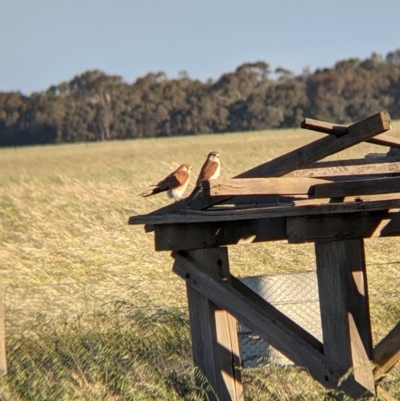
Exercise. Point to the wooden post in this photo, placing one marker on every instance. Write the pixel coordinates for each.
(215, 341)
(344, 305)
(3, 360)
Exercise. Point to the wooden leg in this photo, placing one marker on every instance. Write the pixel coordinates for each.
(344, 305)
(215, 341)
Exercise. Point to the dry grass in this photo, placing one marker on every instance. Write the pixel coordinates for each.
(75, 273)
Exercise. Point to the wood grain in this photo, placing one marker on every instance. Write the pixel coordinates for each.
(261, 186)
(337, 129)
(267, 212)
(343, 296)
(387, 352)
(214, 335)
(343, 168)
(321, 148)
(335, 228)
(175, 237)
(357, 187)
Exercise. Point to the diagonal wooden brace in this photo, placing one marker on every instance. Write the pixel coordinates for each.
(268, 326)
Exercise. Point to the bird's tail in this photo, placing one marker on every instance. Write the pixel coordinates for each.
(150, 191)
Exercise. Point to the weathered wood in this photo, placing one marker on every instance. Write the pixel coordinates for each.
(215, 341)
(355, 167)
(358, 187)
(384, 395)
(324, 127)
(270, 328)
(3, 359)
(338, 130)
(176, 237)
(267, 212)
(299, 229)
(357, 198)
(387, 352)
(321, 148)
(343, 296)
(335, 228)
(296, 159)
(261, 186)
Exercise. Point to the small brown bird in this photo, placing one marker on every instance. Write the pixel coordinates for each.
(175, 183)
(209, 171)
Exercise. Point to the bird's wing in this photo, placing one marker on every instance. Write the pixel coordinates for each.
(207, 171)
(174, 180)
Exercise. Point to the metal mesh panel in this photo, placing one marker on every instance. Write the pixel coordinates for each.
(296, 295)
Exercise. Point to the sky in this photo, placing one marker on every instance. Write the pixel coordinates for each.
(45, 42)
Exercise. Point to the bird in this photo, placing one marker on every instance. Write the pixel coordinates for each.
(209, 171)
(175, 183)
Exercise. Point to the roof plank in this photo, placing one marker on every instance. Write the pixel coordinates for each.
(338, 130)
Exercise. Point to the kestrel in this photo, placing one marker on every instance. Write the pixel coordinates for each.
(209, 171)
(175, 183)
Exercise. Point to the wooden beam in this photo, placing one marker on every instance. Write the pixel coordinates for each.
(299, 229)
(384, 395)
(321, 148)
(387, 352)
(324, 127)
(356, 167)
(267, 212)
(262, 323)
(215, 341)
(356, 187)
(261, 186)
(3, 359)
(334, 228)
(357, 198)
(343, 295)
(175, 237)
(338, 130)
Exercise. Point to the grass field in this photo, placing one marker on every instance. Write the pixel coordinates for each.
(93, 313)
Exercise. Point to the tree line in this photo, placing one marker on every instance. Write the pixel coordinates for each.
(95, 106)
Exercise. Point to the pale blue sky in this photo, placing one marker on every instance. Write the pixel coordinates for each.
(44, 42)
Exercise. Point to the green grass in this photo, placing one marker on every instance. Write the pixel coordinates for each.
(93, 312)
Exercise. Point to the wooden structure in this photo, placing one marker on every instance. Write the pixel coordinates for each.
(335, 204)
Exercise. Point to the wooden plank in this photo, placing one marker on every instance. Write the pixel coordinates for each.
(343, 295)
(331, 169)
(358, 198)
(324, 127)
(387, 352)
(270, 328)
(3, 358)
(359, 187)
(261, 186)
(335, 228)
(267, 212)
(384, 395)
(175, 237)
(321, 148)
(338, 130)
(215, 341)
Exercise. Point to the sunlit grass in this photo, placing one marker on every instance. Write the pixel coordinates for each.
(84, 291)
